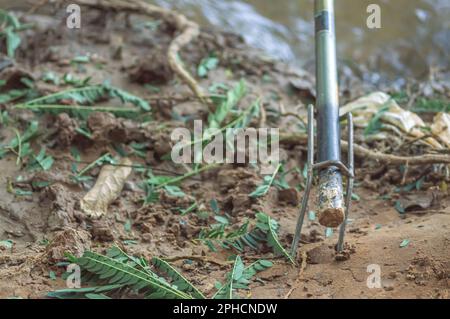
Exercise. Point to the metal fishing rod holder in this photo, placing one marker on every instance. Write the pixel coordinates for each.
(333, 210)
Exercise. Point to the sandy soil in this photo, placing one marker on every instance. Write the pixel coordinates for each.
(49, 222)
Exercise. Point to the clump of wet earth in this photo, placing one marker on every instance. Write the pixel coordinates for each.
(47, 221)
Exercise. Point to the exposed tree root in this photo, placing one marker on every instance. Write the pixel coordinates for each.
(360, 151)
(299, 276)
(188, 31)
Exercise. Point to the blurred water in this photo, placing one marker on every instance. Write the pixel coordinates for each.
(415, 34)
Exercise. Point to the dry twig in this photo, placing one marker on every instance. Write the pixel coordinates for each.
(360, 151)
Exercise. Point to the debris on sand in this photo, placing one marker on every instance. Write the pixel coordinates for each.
(107, 188)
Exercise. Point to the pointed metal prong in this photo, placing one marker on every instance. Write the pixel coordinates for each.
(310, 165)
(348, 198)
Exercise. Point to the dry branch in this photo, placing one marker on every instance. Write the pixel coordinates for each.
(360, 151)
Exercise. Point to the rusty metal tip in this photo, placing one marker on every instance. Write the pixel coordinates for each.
(331, 217)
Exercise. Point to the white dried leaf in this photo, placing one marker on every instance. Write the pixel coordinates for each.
(441, 127)
(107, 188)
(364, 108)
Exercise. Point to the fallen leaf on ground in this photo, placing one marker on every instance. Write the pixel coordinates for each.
(441, 127)
(366, 107)
(107, 188)
(418, 201)
(404, 243)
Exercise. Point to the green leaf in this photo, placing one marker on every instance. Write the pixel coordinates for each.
(12, 41)
(375, 123)
(272, 236)
(239, 277)
(9, 19)
(12, 95)
(226, 291)
(50, 77)
(179, 280)
(173, 190)
(117, 272)
(399, 207)
(214, 206)
(221, 219)
(9, 24)
(41, 161)
(81, 59)
(7, 243)
(404, 243)
(52, 275)
(224, 107)
(20, 141)
(127, 226)
(96, 296)
(89, 95)
(262, 189)
(188, 210)
(207, 64)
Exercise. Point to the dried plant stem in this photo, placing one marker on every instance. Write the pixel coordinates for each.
(360, 151)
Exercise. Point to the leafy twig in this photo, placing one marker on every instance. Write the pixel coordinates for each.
(262, 189)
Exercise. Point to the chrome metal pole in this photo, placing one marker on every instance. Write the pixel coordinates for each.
(331, 203)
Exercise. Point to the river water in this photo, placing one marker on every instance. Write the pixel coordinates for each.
(414, 34)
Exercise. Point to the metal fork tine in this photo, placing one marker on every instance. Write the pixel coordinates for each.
(310, 165)
(348, 198)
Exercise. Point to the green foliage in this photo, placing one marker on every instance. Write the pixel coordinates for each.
(262, 189)
(8, 243)
(152, 185)
(174, 190)
(88, 95)
(70, 79)
(117, 273)
(265, 231)
(424, 105)
(207, 64)
(4, 117)
(270, 227)
(81, 59)
(105, 158)
(19, 144)
(8, 20)
(88, 292)
(41, 161)
(375, 123)
(237, 239)
(9, 26)
(78, 110)
(239, 277)
(226, 105)
(247, 116)
(179, 280)
(13, 95)
(50, 77)
(404, 243)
